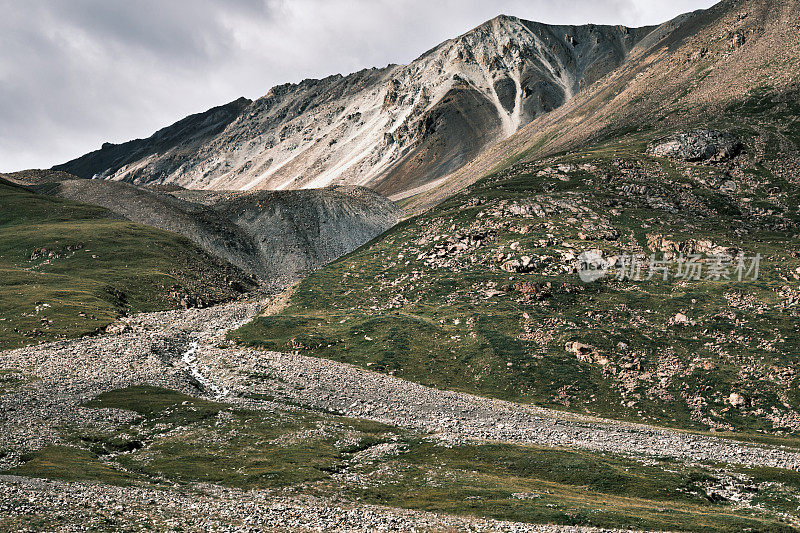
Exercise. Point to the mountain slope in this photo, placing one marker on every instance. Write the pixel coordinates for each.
(210, 230)
(170, 145)
(273, 236)
(68, 269)
(481, 292)
(391, 129)
(685, 73)
(298, 231)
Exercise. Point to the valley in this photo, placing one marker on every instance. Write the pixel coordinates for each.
(297, 440)
(542, 278)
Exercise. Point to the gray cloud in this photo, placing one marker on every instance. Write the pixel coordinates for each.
(76, 73)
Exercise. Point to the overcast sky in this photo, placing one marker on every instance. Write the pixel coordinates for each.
(76, 73)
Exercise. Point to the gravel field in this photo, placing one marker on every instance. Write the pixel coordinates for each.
(82, 507)
(152, 349)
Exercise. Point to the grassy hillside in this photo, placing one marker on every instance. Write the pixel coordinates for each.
(432, 301)
(67, 269)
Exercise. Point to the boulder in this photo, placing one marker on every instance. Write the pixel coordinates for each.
(583, 352)
(737, 400)
(117, 328)
(698, 145)
(681, 320)
(737, 41)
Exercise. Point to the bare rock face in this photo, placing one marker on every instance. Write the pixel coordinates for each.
(393, 129)
(699, 145)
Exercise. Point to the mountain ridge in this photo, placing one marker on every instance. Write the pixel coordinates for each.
(690, 62)
(390, 129)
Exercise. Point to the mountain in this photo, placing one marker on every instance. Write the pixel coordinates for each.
(691, 149)
(687, 72)
(275, 236)
(393, 129)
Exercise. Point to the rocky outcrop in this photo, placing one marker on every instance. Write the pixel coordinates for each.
(392, 129)
(699, 145)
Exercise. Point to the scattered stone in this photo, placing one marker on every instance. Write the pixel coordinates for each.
(681, 320)
(584, 352)
(699, 145)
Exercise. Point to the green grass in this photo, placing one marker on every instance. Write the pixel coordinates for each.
(100, 268)
(156, 403)
(69, 464)
(445, 334)
(531, 484)
(222, 444)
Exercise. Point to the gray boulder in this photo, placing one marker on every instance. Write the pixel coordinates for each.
(698, 145)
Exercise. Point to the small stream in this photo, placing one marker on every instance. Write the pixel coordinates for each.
(195, 369)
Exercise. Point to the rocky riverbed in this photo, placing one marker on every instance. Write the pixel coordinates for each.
(186, 351)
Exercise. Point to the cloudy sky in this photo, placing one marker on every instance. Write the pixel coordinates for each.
(76, 73)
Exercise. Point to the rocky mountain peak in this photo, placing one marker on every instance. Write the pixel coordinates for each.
(394, 129)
